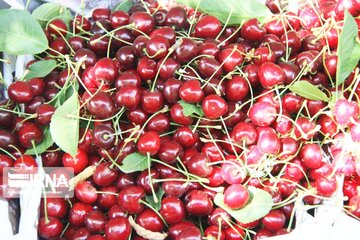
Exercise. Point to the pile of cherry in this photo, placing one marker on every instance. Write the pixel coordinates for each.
(209, 106)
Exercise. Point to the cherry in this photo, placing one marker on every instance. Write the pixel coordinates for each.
(160, 17)
(77, 43)
(344, 111)
(81, 233)
(117, 228)
(146, 68)
(190, 233)
(252, 31)
(55, 207)
(31, 106)
(78, 162)
(311, 155)
(150, 220)
(262, 114)
(234, 234)
(244, 132)
(57, 27)
(186, 51)
(232, 172)
(157, 46)
(100, 13)
(90, 59)
(78, 213)
(264, 54)
(210, 67)
(95, 221)
(130, 199)
(29, 135)
(191, 92)
(214, 106)
(172, 210)
(263, 233)
(304, 128)
(105, 70)
(213, 232)
(107, 198)
(128, 96)
(208, 48)
(58, 47)
(160, 123)
(50, 228)
(20, 92)
(167, 32)
(274, 220)
(80, 23)
(326, 187)
(115, 211)
(198, 165)
(85, 192)
(169, 151)
(207, 27)
(143, 23)
(98, 44)
(167, 67)
(236, 88)
(271, 75)
(176, 17)
(149, 143)
(101, 105)
(44, 113)
(37, 86)
(126, 57)
(118, 19)
(5, 161)
(104, 175)
(236, 196)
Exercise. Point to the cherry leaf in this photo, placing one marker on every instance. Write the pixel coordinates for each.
(259, 205)
(64, 125)
(46, 12)
(20, 33)
(124, 5)
(308, 91)
(190, 109)
(150, 199)
(230, 11)
(44, 145)
(348, 51)
(134, 162)
(40, 69)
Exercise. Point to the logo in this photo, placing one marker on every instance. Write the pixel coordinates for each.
(53, 181)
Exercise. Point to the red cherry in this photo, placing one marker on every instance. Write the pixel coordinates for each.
(236, 196)
(117, 228)
(149, 143)
(207, 27)
(78, 162)
(214, 106)
(271, 75)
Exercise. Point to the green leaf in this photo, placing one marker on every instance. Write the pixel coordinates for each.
(150, 199)
(41, 69)
(124, 5)
(348, 51)
(20, 33)
(46, 12)
(259, 205)
(190, 109)
(238, 10)
(44, 145)
(64, 125)
(308, 90)
(134, 162)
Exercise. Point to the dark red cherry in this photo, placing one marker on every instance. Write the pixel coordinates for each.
(20, 92)
(214, 106)
(101, 105)
(130, 199)
(152, 101)
(207, 27)
(149, 143)
(50, 228)
(78, 162)
(44, 113)
(176, 17)
(143, 22)
(89, 57)
(30, 135)
(271, 75)
(57, 27)
(157, 47)
(117, 228)
(105, 70)
(119, 18)
(172, 210)
(252, 31)
(209, 67)
(128, 96)
(191, 92)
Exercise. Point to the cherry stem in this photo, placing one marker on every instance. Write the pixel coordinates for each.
(156, 200)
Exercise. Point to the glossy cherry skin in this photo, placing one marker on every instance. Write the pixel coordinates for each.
(77, 43)
(105, 175)
(129, 199)
(55, 207)
(236, 196)
(50, 229)
(105, 70)
(150, 220)
(152, 101)
(157, 46)
(176, 17)
(78, 163)
(20, 92)
(271, 75)
(117, 228)
(58, 47)
(311, 155)
(185, 137)
(169, 151)
(210, 67)
(175, 229)
(143, 22)
(197, 203)
(172, 210)
(149, 143)
(198, 165)
(252, 31)
(191, 92)
(214, 106)
(57, 27)
(128, 96)
(29, 134)
(95, 221)
(101, 105)
(244, 132)
(78, 212)
(44, 113)
(107, 198)
(262, 114)
(274, 220)
(100, 13)
(80, 23)
(98, 44)
(90, 59)
(177, 115)
(119, 18)
(86, 192)
(207, 27)
(186, 51)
